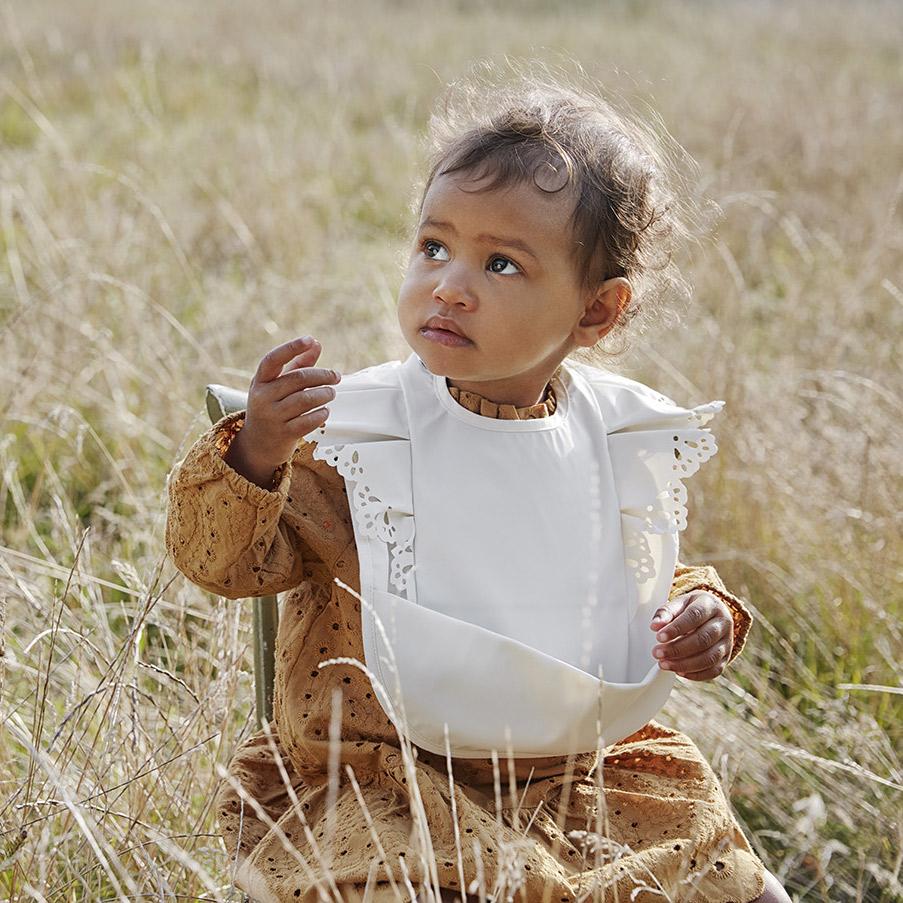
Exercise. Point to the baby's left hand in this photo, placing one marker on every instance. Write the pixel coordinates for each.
(696, 632)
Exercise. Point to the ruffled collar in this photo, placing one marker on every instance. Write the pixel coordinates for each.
(476, 404)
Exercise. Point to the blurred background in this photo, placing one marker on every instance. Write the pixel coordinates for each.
(184, 185)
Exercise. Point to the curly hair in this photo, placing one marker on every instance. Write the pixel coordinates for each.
(628, 216)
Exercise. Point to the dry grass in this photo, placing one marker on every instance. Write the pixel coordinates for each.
(182, 183)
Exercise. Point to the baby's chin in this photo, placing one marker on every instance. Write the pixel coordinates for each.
(449, 361)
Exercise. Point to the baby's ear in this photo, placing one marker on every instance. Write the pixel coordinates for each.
(604, 306)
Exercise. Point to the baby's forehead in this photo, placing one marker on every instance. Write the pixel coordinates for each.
(481, 213)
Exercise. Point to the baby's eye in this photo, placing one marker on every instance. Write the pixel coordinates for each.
(503, 266)
(434, 250)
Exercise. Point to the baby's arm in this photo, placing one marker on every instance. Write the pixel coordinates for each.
(233, 536)
(701, 628)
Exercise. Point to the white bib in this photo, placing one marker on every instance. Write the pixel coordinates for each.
(542, 549)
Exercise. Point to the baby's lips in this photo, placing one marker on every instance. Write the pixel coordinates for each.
(446, 324)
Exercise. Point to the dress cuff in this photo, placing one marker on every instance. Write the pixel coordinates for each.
(222, 435)
(706, 579)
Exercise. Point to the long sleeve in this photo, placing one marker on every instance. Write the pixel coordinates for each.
(232, 537)
(706, 579)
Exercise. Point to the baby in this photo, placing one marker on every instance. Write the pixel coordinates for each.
(481, 549)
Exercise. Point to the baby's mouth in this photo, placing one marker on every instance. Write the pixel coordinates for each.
(444, 331)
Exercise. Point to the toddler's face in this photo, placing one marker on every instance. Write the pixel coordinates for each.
(491, 298)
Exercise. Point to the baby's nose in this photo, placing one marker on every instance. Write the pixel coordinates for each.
(456, 286)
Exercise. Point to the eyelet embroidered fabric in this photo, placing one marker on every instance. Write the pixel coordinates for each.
(666, 510)
(376, 519)
(679, 443)
(637, 553)
(690, 453)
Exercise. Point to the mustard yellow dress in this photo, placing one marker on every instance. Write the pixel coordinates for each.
(331, 805)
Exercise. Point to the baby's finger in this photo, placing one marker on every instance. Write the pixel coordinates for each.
(303, 400)
(308, 422)
(272, 363)
(704, 666)
(713, 632)
(297, 381)
(698, 608)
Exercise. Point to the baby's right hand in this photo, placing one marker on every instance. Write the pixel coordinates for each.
(285, 402)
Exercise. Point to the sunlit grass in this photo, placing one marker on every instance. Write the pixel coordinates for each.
(184, 185)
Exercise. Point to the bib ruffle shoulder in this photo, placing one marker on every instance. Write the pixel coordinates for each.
(450, 684)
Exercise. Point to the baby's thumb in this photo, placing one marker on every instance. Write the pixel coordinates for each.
(664, 615)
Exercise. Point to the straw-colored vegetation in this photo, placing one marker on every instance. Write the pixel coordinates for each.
(182, 184)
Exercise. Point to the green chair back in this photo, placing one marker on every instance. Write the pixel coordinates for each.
(222, 400)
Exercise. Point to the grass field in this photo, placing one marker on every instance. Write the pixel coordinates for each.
(184, 184)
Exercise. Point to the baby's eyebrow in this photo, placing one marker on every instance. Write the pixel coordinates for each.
(513, 243)
(437, 224)
(484, 238)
